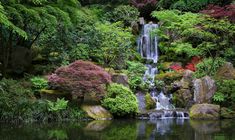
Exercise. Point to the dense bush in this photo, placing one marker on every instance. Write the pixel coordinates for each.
(79, 78)
(184, 35)
(38, 83)
(114, 44)
(219, 12)
(124, 13)
(225, 94)
(135, 72)
(120, 100)
(208, 67)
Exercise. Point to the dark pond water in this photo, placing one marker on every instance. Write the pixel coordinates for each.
(122, 130)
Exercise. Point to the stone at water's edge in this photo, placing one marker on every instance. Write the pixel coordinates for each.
(205, 111)
(204, 89)
(184, 94)
(120, 79)
(227, 72)
(97, 112)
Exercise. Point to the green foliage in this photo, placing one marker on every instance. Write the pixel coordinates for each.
(125, 13)
(39, 83)
(120, 100)
(114, 43)
(80, 52)
(218, 97)
(150, 104)
(60, 104)
(184, 34)
(135, 75)
(208, 66)
(225, 94)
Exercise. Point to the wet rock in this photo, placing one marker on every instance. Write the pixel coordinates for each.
(205, 111)
(97, 112)
(227, 113)
(204, 89)
(120, 79)
(227, 72)
(141, 101)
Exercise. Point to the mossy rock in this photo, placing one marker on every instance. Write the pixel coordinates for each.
(150, 104)
(53, 94)
(205, 112)
(97, 112)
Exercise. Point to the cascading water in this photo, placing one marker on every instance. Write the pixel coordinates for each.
(148, 48)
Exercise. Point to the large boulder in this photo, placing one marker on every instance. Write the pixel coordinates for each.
(184, 95)
(205, 111)
(120, 79)
(227, 72)
(204, 89)
(97, 112)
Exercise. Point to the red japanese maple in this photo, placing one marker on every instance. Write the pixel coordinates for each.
(79, 78)
(218, 12)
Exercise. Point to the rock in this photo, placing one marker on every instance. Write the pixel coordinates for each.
(227, 72)
(53, 94)
(183, 98)
(92, 98)
(227, 113)
(120, 79)
(204, 89)
(184, 95)
(135, 28)
(97, 112)
(205, 111)
(141, 101)
(188, 76)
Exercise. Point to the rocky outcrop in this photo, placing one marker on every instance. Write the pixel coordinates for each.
(227, 72)
(184, 94)
(204, 89)
(120, 79)
(205, 111)
(97, 112)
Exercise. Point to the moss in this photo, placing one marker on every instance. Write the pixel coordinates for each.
(150, 104)
(169, 77)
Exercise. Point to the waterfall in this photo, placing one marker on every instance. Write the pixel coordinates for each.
(148, 49)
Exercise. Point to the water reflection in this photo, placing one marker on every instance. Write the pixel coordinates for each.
(166, 129)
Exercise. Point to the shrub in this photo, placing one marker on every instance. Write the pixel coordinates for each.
(225, 94)
(208, 66)
(135, 74)
(38, 83)
(218, 12)
(60, 104)
(125, 13)
(150, 104)
(120, 100)
(79, 78)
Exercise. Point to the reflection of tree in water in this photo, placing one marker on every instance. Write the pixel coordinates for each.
(168, 129)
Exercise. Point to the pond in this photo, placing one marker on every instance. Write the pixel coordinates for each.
(166, 129)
